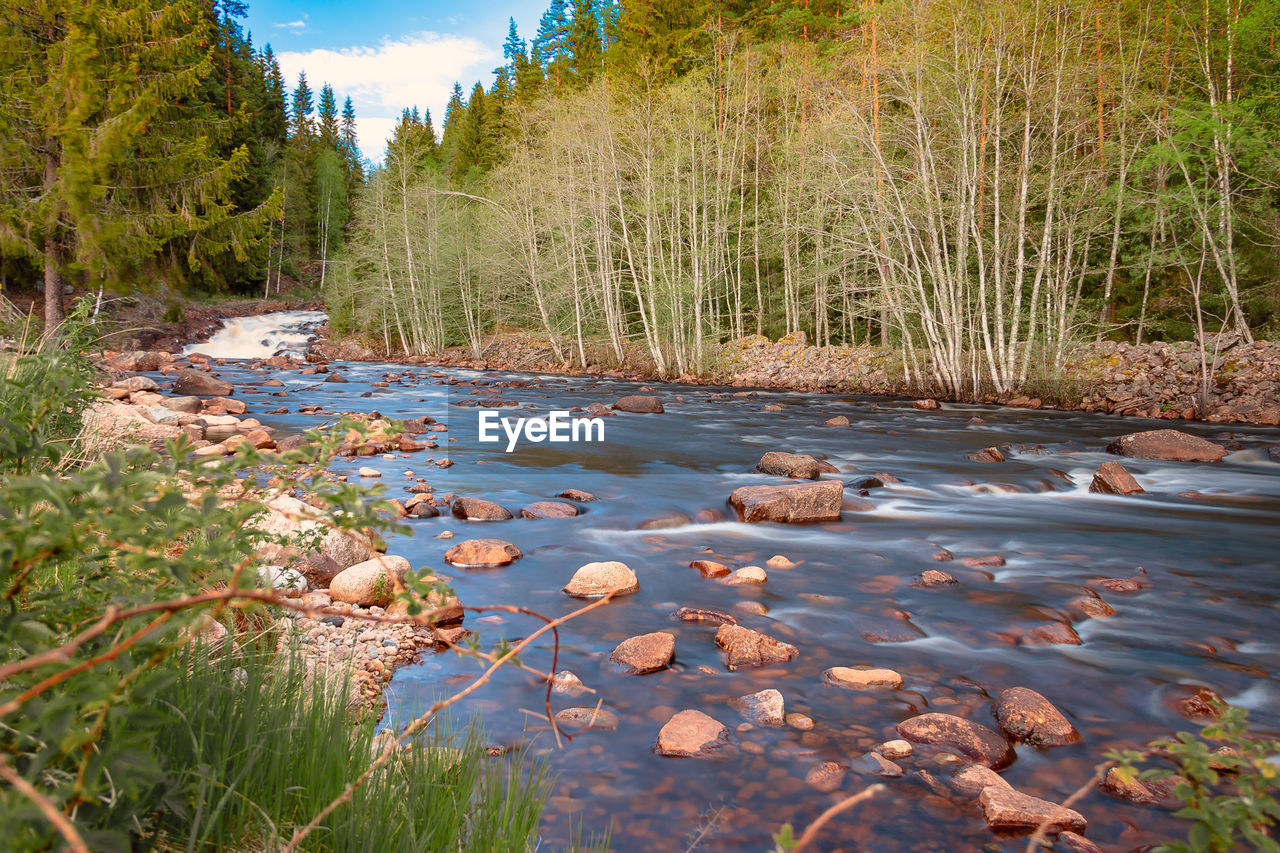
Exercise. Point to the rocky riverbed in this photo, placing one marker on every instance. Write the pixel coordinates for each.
(967, 604)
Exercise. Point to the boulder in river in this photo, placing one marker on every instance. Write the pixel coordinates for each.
(1111, 478)
(972, 779)
(868, 678)
(1167, 444)
(932, 578)
(639, 404)
(986, 454)
(197, 383)
(645, 653)
(596, 579)
(972, 740)
(746, 648)
(928, 405)
(702, 614)
(692, 734)
(1144, 792)
(837, 421)
(798, 503)
(482, 552)
(549, 509)
(371, 583)
(478, 509)
(577, 495)
(578, 719)
(1025, 715)
(766, 708)
(1008, 810)
(798, 466)
(710, 568)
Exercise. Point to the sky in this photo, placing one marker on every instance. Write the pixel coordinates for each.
(389, 54)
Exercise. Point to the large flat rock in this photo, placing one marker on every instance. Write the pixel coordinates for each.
(796, 503)
(1167, 444)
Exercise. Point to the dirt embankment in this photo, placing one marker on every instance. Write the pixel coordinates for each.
(1154, 380)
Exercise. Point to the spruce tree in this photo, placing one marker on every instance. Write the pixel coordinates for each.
(583, 45)
(327, 115)
(349, 143)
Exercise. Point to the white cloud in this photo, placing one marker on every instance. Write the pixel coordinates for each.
(381, 81)
(293, 26)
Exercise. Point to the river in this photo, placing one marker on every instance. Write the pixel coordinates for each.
(1204, 614)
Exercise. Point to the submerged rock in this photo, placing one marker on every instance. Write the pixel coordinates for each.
(766, 707)
(746, 648)
(864, 679)
(972, 740)
(692, 734)
(645, 653)
(639, 404)
(1167, 444)
(549, 509)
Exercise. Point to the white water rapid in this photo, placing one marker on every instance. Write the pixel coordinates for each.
(262, 335)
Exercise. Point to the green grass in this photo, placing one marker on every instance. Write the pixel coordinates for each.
(257, 748)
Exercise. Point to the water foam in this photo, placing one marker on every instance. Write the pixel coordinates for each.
(262, 335)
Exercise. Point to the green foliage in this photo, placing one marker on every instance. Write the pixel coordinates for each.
(1227, 784)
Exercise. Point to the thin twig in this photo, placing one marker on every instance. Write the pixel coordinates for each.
(1098, 773)
(814, 828)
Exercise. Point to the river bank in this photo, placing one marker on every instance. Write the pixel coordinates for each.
(1154, 380)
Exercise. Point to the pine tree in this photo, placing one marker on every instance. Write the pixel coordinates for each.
(454, 114)
(474, 146)
(327, 125)
(583, 46)
(301, 107)
(108, 155)
(549, 46)
(349, 143)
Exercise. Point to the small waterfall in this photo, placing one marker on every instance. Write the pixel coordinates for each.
(262, 335)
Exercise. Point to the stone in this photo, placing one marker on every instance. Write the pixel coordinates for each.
(710, 568)
(140, 360)
(638, 404)
(481, 552)
(1007, 810)
(767, 708)
(1025, 715)
(864, 679)
(991, 561)
(134, 384)
(549, 509)
(778, 561)
(932, 579)
(799, 503)
(986, 454)
(746, 648)
(692, 734)
(894, 749)
(371, 583)
(369, 472)
(972, 740)
(599, 410)
(335, 377)
(972, 779)
(1143, 792)
(927, 405)
(1075, 843)
(645, 653)
(260, 439)
(197, 383)
(1111, 478)
(210, 450)
(579, 719)
(875, 764)
(159, 415)
(837, 421)
(1169, 445)
(566, 682)
(596, 579)
(337, 550)
(699, 614)
(225, 405)
(795, 465)
(425, 509)
(577, 495)
(1051, 634)
(478, 509)
(826, 777)
(747, 576)
(278, 577)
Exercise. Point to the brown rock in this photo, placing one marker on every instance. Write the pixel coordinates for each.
(973, 740)
(972, 779)
(699, 614)
(986, 454)
(864, 679)
(645, 653)
(1144, 792)
(826, 777)
(766, 707)
(596, 579)
(1008, 810)
(992, 561)
(1167, 444)
(185, 405)
(260, 439)
(577, 495)
(747, 576)
(1111, 478)
(369, 584)
(477, 509)
(710, 568)
(639, 404)
(875, 764)
(927, 405)
(792, 504)
(1052, 634)
(578, 719)
(225, 405)
(795, 465)
(135, 384)
(746, 648)
(1077, 843)
(837, 421)
(933, 578)
(1090, 606)
(549, 509)
(599, 410)
(480, 552)
(1025, 715)
(197, 383)
(692, 734)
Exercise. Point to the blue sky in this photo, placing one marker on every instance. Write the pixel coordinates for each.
(388, 54)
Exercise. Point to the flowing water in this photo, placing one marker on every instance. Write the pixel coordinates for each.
(262, 335)
(1205, 613)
